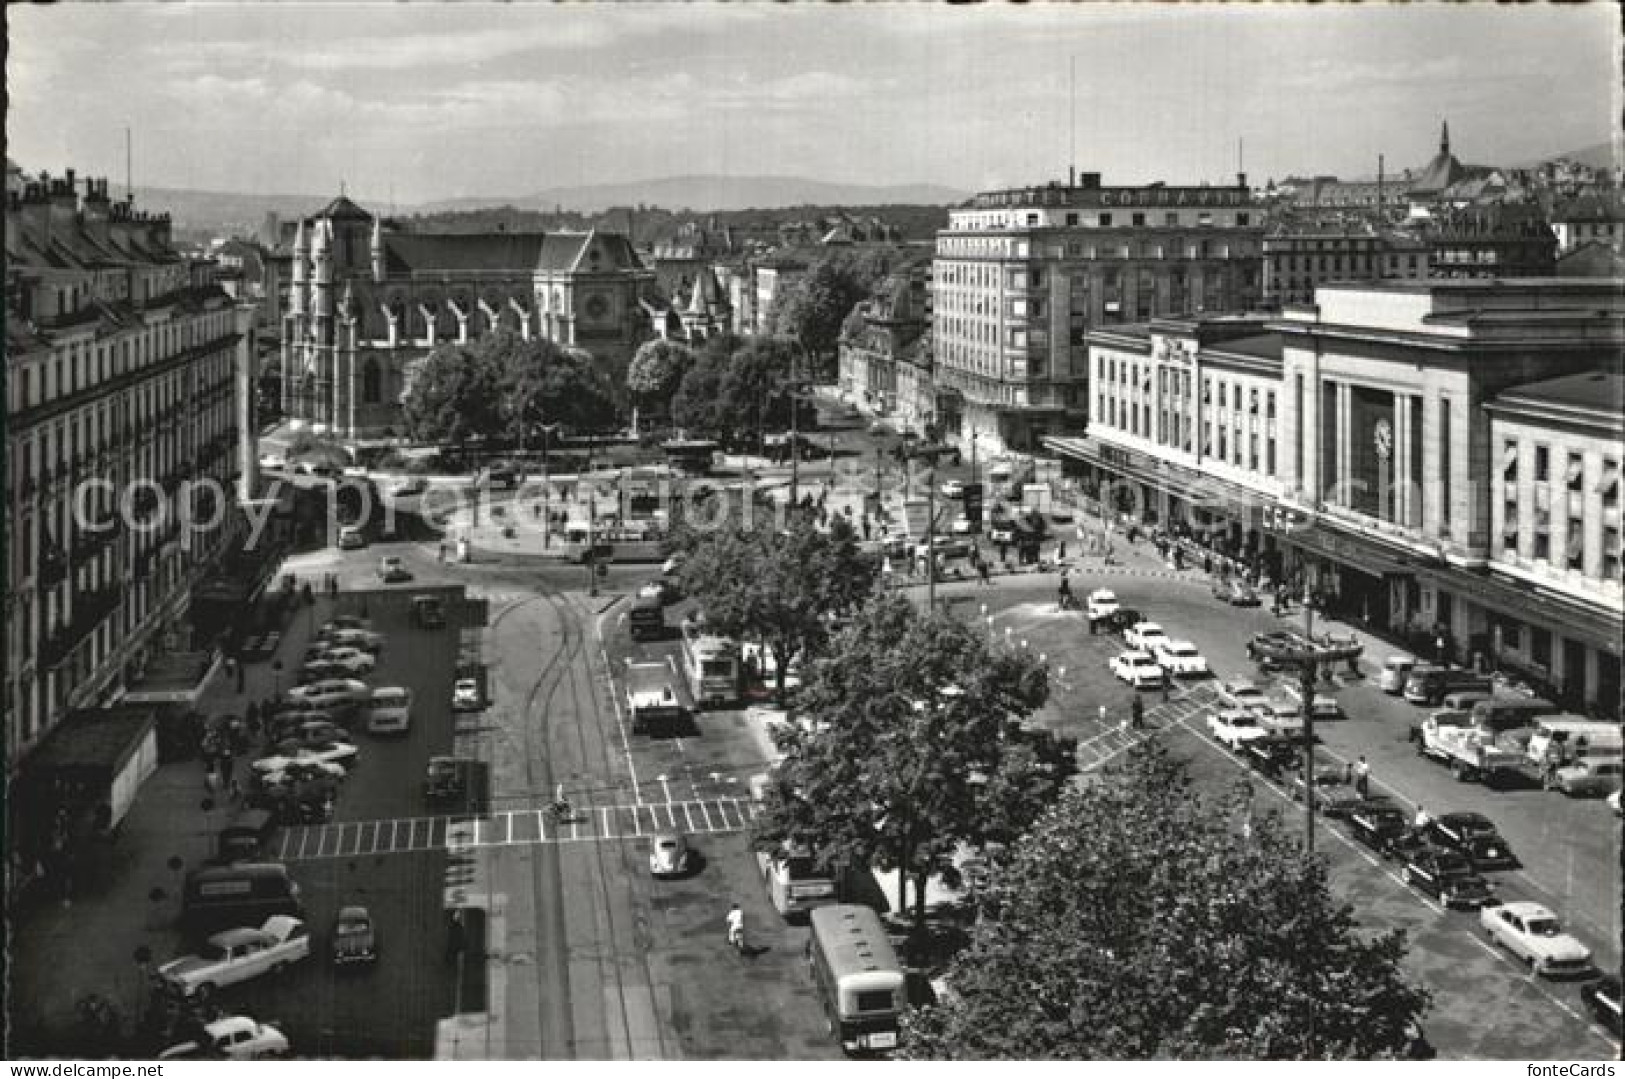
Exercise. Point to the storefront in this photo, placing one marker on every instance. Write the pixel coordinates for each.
(1357, 579)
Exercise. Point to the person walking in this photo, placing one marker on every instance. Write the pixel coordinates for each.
(1362, 777)
(983, 571)
(736, 927)
(1137, 713)
(1167, 686)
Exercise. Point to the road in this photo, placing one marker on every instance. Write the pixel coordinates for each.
(1569, 848)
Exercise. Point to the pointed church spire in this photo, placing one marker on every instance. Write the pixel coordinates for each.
(1444, 137)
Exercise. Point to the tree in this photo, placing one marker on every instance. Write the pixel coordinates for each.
(656, 372)
(696, 404)
(776, 586)
(1137, 921)
(812, 309)
(914, 742)
(455, 397)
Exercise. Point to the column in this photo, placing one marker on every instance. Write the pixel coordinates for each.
(1345, 464)
(1400, 461)
(247, 380)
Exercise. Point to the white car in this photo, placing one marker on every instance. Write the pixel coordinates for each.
(1244, 694)
(1180, 657)
(362, 640)
(343, 621)
(1235, 727)
(1614, 804)
(953, 489)
(961, 526)
(335, 755)
(465, 695)
(329, 694)
(352, 661)
(391, 710)
(1138, 669)
(1280, 718)
(237, 955)
(1321, 706)
(235, 1037)
(1144, 636)
(1102, 603)
(273, 461)
(1533, 934)
(1001, 532)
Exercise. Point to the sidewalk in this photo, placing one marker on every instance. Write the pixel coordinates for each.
(62, 951)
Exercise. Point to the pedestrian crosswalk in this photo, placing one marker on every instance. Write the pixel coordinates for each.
(352, 839)
(1115, 739)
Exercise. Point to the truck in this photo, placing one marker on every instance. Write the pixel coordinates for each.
(647, 618)
(651, 697)
(1564, 741)
(1471, 750)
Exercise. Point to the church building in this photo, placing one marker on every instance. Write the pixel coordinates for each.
(368, 301)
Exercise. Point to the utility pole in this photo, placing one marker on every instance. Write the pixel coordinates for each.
(1307, 677)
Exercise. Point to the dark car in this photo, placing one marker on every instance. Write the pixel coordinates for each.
(1602, 997)
(1122, 618)
(1272, 755)
(1334, 797)
(1472, 834)
(447, 780)
(1379, 826)
(1449, 877)
(1277, 650)
(354, 939)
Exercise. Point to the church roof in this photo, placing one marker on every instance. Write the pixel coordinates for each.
(342, 209)
(518, 252)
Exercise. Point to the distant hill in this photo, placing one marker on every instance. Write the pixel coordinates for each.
(705, 193)
(230, 211)
(1600, 156)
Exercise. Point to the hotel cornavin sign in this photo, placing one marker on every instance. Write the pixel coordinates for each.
(1114, 196)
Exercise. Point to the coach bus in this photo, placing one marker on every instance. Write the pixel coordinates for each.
(711, 665)
(692, 456)
(858, 978)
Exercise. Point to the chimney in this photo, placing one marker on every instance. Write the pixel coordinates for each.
(1090, 180)
(1072, 176)
(36, 209)
(1241, 179)
(96, 208)
(64, 207)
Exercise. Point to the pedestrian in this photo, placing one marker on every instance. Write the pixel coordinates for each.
(1167, 686)
(1122, 724)
(982, 569)
(1103, 715)
(442, 554)
(1137, 713)
(1362, 777)
(1421, 820)
(455, 934)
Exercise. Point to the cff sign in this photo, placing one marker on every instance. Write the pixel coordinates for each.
(1283, 520)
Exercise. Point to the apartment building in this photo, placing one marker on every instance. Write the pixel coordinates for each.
(1022, 276)
(123, 368)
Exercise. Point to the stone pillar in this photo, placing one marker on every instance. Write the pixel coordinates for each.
(1399, 462)
(428, 323)
(247, 385)
(1342, 446)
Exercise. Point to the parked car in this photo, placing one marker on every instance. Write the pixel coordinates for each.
(1614, 804)
(232, 1037)
(1102, 603)
(1321, 705)
(447, 780)
(668, 855)
(1396, 671)
(1473, 835)
(1334, 798)
(1587, 779)
(1446, 876)
(354, 939)
(1138, 669)
(335, 755)
(1122, 619)
(391, 570)
(364, 640)
(1236, 592)
(1144, 636)
(1378, 825)
(1280, 718)
(962, 526)
(465, 695)
(1533, 934)
(1235, 727)
(237, 955)
(1276, 650)
(1272, 755)
(1180, 658)
(1602, 998)
(1244, 694)
(391, 710)
(344, 621)
(1001, 531)
(338, 696)
(353, 661)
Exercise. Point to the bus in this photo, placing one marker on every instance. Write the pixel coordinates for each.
(711, 665)
(691, 456)
(647, 618)
(858, 978)
(794, 882)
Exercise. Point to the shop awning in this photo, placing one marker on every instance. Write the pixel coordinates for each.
(1531, 604)
(1345, 549)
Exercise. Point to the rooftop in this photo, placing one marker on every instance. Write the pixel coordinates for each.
(1597, 392)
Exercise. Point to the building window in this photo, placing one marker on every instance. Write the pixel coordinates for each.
(1105, 220)
(1509, 462)
(1138, 220)
(1608, 486)
(1543, 534)
(1542, 464)
(1071, 219)
(1610, 552)
(1509, 528)
(1444, 467)
(1540, 646)
(1576, 544)
(1511, 633)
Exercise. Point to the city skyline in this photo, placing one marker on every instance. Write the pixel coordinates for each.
(523, 98)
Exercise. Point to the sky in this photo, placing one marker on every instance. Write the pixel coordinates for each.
(430, 101)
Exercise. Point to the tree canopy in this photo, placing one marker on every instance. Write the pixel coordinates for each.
(913, 741)
(656, 371)
(1140, 921)
(776, 586)
(502, 387)
(737, 387)
(814, 308)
